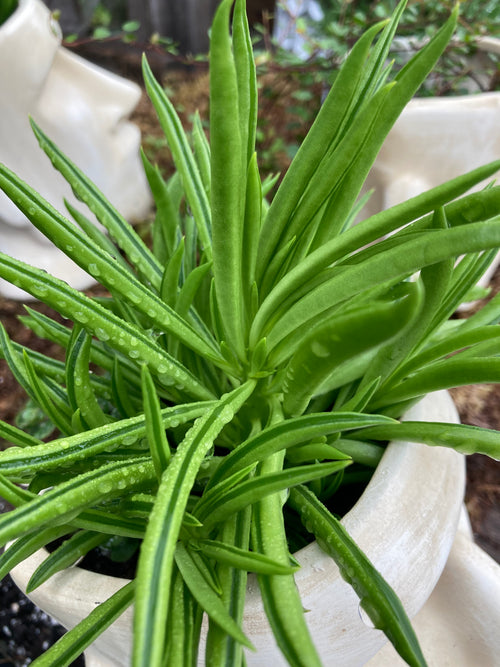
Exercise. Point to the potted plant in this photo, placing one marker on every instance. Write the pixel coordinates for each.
(217, 407)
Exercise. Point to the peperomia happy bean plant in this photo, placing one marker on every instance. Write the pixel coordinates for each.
(253, 353)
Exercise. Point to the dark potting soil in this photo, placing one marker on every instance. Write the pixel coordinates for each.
(25, 631)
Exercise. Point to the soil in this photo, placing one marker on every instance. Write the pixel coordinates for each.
(25, 631)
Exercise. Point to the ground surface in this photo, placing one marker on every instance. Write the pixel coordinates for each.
(24, 631)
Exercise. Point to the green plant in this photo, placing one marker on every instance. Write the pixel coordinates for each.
(256, 348)
(8, 7)
(328, 39)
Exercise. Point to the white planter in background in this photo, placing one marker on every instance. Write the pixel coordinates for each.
(405, 521)
(85, 110)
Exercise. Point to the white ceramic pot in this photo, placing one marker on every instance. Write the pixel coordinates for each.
(405, 522)
(86, 111)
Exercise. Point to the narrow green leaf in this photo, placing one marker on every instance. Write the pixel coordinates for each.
(122, 391)
(453, 372)
(377, 597)
(465, 339)
(252, 224)
(67, 500)
(98, 263)
(281, 599)
(286, 434)
(339, 339)
(25, 546)
(246, 81)
(221, 648)
(47, 400)
(211, 512)
(64, 451)
(205, 595)
(181, 625)
(83, 188)
(74, 642)
(202, 152)
(67, 554)
(80, 391)
(155, 428)
(182, 155)
(171, 276)
(15, 436)
(396, 264)
(228, 180)
(122, 335)
(158, 547)
(243, 559)
(469, 209)
(325, 130)
(98, 237)
(167, 215)
(461, 437)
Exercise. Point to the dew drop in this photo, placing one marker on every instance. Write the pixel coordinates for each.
(134, 297)
(320, 350)
(102, 334)
(226, 415)
(81, 317)
(40, 290)
(105, 487)
(365, 618)
(94, 269)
